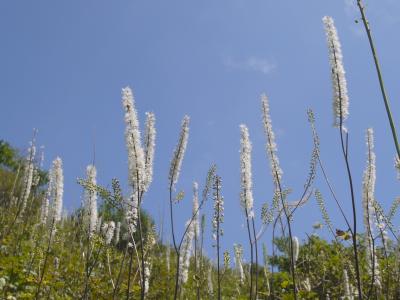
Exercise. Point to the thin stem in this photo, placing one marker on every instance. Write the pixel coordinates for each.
(350, 179)
(218, 236)
(256, 252)
(290, 237)
(130, 273)
(45, 260)
(109, 270)
(251, 252)
(379, 73)
(141, 254)
(119, 273)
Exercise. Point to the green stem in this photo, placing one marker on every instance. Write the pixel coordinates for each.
(379, 73)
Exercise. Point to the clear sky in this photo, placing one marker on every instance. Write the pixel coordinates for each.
(63, 64)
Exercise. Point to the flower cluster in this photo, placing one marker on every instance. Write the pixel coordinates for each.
(271, 147)
(339, 84)
(179, 152)
(238, 250)
(90, 200)
(218, 216)
(246, 195)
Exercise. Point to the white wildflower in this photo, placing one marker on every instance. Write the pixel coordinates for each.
(271, 147)
(296, 249)
(136, 161)
(218, 216)
(184, 258)
(131, 212)
(149, 146)
(99, 223)
(179, 152)
(90, 200)
(368, 195)
(36, 170)
(195, 210)
(117, 233)
(44, 211)
(246, 195)
(368, 202)
(238, 251)
(108, 231)
(58, 189)
(340, 97)
(209, 281)
(28, 175)
(346, 286)
(147, 267)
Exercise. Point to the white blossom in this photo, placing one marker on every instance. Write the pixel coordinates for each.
(108, 231)
(147, 267)
(184, 258)
(149, 146)
(246, 195)
(218, 216)
(339, 84)
(99, 223)
(179, 152)
(44, 211)
(28, 175)
(90, 200)
(57, 189)
(195, 210)
(238, 250)
(131, 212)
(209, 281)
(271, 147)
(117, 233)
(368, 194)
(296, 249)
(36, 169)
(369, 211)
(136, 160)
(346, 286)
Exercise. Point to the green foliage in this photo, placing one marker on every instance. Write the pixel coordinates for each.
(9, 157)
(24, 248)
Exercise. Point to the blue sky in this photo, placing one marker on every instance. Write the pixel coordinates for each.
(63, 64)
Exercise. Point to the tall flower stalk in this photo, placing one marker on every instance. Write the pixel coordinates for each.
(369, 212)
(185, 254)
(56, 193)
(238, 251)
(149, 148)
(29, 169)
(140, 171)
(174, 171)
(340, 113)
(246, 195)
(196, 225)
(276, 172)
(90, 201)
(386, 102)
(218, 219)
